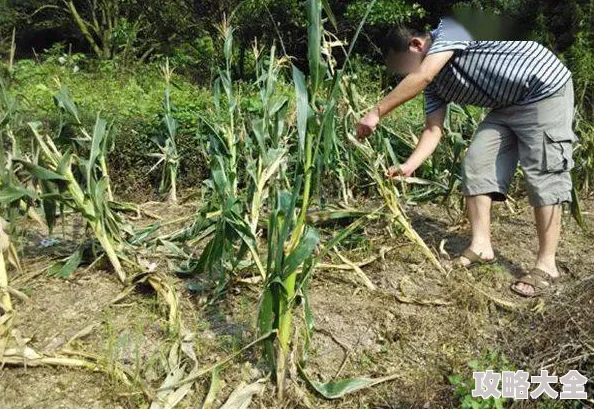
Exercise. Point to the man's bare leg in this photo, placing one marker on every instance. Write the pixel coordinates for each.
(548, 227)
(479, 214)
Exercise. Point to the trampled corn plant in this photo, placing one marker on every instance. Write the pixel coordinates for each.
(460, 124)
(55, 172)
(290, 241)
(377, 168)
(222, 221)
(375, 164)
(168, 157)
(288, 269)
(7, 256)
(225, 139)
(82, 143)
(13, 192)
(386, 139)
(16, 199)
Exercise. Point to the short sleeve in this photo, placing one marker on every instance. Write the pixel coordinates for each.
(432, 101)
(449, 36)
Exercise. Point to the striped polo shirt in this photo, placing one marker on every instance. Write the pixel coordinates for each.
(492, 74)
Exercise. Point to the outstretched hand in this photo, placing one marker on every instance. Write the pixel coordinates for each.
(399, 170)
(368, 124)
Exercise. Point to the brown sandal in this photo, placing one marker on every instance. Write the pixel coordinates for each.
(539, 280)
(473, 258)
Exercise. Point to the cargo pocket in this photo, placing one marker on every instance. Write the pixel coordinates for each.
(558, 151)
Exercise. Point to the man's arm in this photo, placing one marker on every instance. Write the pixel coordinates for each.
(427, 143)
(412, 85)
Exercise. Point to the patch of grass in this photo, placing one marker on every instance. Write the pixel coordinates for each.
(463, 383)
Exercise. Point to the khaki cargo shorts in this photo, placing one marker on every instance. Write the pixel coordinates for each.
(538, 135)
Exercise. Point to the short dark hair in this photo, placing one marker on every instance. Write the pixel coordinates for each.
(398, 38)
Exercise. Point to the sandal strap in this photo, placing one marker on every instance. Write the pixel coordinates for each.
(471, 256)
(537, 278)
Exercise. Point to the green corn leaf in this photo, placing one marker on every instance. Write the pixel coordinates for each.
(50, 195)
(172, 125)
(258, 130)
(277, 105)
(210, 256)
(219, 177)
(329, 13)
(228, 47)
(66, 268)
(338, 389)
(64, 162)
(99, 132)
(314, 38)
(329, 133)
(242, 230)
(266, 317)
(576, 209)
(288, 207)
(65, 102)
(302, 252)
(344, 233)
(12, 193)
(302, 105)
(40, 172)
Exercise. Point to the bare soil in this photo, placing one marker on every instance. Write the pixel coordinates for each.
(418, 323)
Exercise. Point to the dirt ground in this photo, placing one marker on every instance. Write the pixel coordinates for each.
(427, 328)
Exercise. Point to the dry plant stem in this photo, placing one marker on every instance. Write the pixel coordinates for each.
(218, 364)
(5, 301)
(27, 357)
(376, 169)
(502, 303)
(359, 264)
(366, 281)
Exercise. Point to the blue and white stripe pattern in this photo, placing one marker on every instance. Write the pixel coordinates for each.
(491, 74)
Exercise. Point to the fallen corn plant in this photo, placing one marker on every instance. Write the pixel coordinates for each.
(7, 256)
(83, 143)
(377, 170)
(55, 175)
(20, 354)
(16, 199)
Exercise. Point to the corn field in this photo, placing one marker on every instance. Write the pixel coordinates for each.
(276, 173)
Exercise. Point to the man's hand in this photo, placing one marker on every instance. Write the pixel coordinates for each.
(403, 169)
(367, 125)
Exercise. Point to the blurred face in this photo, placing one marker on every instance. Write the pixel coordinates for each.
(404, 62)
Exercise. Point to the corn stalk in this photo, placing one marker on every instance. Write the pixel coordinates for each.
(15, 198)
(268, 134)
(291, 242)
(54, 173)
(8, 255)
(168, 155)
(377, 170)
